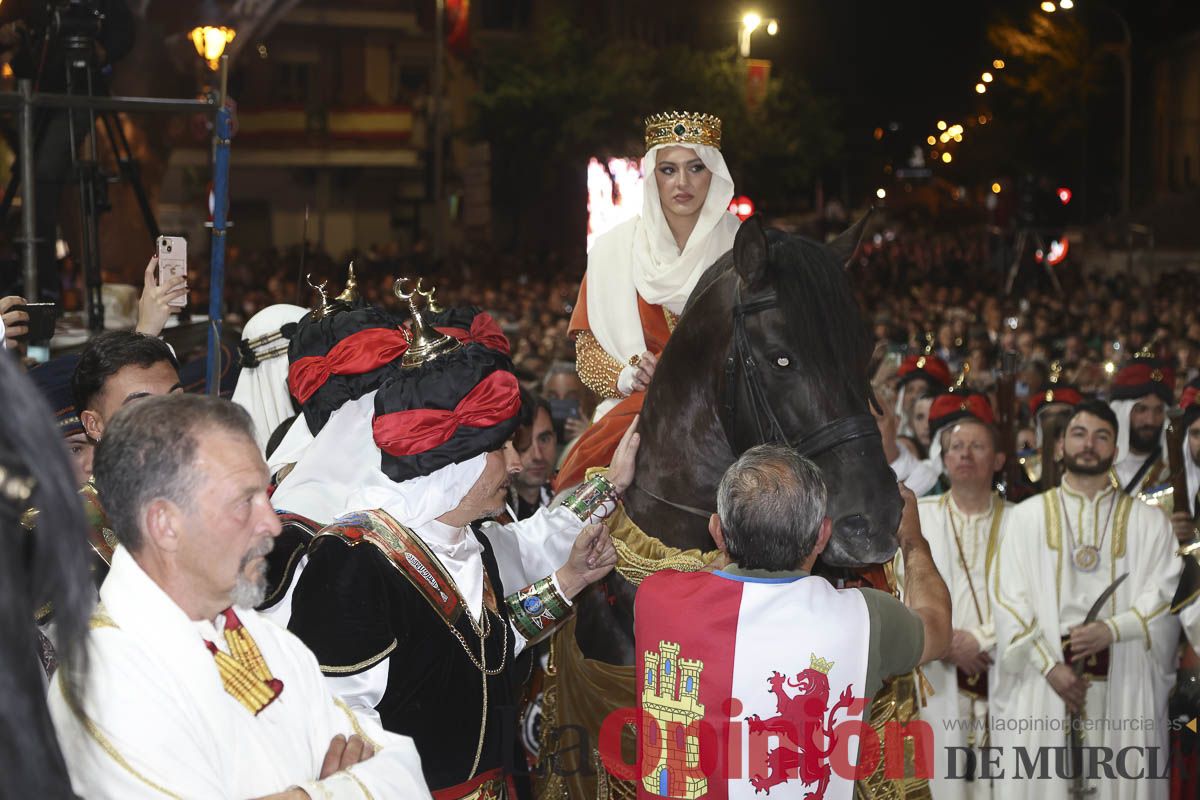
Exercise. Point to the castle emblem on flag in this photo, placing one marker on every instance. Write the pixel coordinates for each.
(801, 722)
(671, 746)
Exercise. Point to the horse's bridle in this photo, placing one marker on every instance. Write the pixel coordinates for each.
(829, 436)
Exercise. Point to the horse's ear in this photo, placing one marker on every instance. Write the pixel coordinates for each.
(846, 243)
(750, 252)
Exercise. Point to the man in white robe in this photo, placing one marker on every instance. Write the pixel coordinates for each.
(962, 527)
(1058, 553)
(1142, 392)
(190, 693)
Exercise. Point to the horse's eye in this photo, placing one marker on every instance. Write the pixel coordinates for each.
(783, 361)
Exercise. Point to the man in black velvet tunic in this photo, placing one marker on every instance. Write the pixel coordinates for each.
(415, 611)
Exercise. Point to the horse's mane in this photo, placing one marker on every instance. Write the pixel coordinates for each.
(821, 310)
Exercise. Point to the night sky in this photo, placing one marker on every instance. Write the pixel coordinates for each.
(910, 62)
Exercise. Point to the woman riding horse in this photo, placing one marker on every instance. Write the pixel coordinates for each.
(641, 273)
(770, 347)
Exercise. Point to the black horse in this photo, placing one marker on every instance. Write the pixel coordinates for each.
(771, 347)
(48, 565)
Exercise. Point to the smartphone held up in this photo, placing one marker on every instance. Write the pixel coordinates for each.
(172, 263)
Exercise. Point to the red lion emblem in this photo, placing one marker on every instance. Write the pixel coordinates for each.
(801, 723)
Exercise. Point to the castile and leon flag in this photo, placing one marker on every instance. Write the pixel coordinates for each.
(748, 687)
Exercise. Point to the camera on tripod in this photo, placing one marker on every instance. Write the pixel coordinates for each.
(77, 25)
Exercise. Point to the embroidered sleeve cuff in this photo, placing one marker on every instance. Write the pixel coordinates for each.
(985, 635)
(598, 370)
(342, 785)
(1128, 626)
(538, 608)
(590, 496)
(1042, 656)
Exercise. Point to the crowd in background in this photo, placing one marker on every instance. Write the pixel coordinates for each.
(918, 291)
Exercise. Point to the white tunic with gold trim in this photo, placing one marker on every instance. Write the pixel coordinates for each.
(157, 721)
(1038, 594)
(962, 546)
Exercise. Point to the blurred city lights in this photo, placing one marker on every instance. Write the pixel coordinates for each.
(987, 77)
(751, 20)
(980, 88)
(941, 126)
(878, 134)
(931, 140)
(1064, 195)
(1049, 7)
(998, 63)
(947, 158)
(773, 25)
(881, 193)
(996, 188)
(1066, 5)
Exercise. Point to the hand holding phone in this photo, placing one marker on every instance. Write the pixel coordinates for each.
(172, 263)
(42, 317)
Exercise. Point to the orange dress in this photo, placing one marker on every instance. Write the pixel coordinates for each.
(598, 370)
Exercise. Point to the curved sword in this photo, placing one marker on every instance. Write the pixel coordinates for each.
(1079, 788)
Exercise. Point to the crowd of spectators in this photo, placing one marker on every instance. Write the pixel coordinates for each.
(945, 292)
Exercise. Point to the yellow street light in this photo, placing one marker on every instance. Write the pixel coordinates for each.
(987, 77)
(955, 129)
(958, 137)
(1066, 5)
(941, 126)
(995, 188)
(210, 42)
(945, 137)
(998, 63)
(947, 158)
(980, 88)
(751, 21)
(773, 25)
(931, 140)
(881, 193)
(1049, 7)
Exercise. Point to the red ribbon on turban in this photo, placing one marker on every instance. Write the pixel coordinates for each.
(407, 433)
(484, 331)
(357, 354)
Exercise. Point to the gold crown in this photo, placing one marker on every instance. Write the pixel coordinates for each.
(683, 127)
(425, 343)
(820, 664)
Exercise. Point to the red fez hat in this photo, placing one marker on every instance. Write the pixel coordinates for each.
(959, 405)
(1144, 375)
(1190, 403)
(928, 367)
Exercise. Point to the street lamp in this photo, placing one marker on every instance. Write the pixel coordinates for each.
(752, 21)
(211, 32)
(210, 41)
(1125, 53)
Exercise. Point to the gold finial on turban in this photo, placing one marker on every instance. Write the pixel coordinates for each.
(425, 342)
